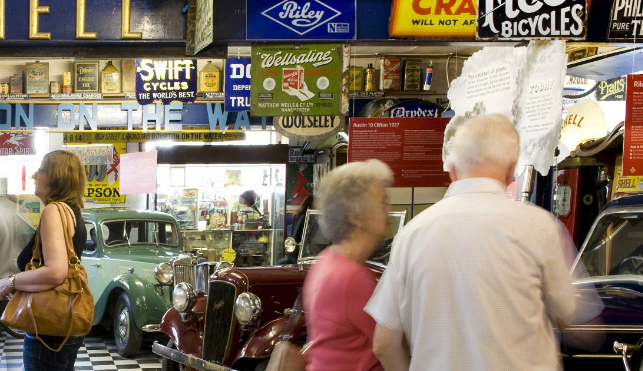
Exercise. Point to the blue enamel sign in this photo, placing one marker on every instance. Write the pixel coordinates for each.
(165, 80)
(237, 84)
(300, 19)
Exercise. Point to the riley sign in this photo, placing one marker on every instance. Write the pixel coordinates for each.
(519, 19)
(301, 19)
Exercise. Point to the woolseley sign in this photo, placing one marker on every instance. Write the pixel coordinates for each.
(519, 19)
(308, 127)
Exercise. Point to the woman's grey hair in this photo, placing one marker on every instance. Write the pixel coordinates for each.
(343, 193)
(490, 140)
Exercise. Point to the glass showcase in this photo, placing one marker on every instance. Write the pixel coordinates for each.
(231, 213)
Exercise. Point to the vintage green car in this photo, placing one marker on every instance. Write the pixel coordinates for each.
(132, 259)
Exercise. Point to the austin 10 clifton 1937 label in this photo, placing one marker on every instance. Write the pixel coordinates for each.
(305, 80)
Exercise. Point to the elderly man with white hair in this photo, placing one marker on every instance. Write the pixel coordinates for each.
(476, 281)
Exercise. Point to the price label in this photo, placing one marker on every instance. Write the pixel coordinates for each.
(229, 255)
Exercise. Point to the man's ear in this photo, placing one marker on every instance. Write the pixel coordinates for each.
(453, 175)
(510, 173)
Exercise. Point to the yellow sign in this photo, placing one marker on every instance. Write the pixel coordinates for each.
(30, 208)
(625, 184)
(436, 19)
(112, 136)
(103, 179)
(229, 255)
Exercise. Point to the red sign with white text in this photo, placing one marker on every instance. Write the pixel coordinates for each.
(17, 143)
(633, 136)
(412, 147)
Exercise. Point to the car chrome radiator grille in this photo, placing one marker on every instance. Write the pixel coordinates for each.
(183, 272)
(218, 320)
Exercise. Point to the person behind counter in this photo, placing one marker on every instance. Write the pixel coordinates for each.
(248, 203)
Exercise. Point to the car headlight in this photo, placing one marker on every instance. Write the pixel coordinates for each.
(164, 273)
(183, 297)
(290, 245)
(247, 308)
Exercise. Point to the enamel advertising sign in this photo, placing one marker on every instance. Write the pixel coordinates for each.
(435, 19)
(308, 127)
(308, 79)
(520, 20)
(165, 80)
(626, 20)
(17, 143)
(237, 84)
(301, 19)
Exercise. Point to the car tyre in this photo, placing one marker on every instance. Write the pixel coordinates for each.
(168, 364)
(127, 335)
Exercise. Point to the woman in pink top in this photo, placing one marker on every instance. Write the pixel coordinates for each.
(354, 206)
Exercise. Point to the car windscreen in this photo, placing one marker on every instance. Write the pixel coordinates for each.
(133, 232)
(315, 242)
(615, 246)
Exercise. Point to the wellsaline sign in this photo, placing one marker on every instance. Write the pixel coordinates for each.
(307, 79)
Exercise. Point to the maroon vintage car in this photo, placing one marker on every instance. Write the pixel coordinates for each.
(235, 318)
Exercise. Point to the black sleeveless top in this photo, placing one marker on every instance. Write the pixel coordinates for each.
(79, 238)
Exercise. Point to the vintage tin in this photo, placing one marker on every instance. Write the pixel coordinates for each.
(128, 76)
(369, 78)
(38, 78)
(413, 74)
(4, 88)
(86, 80)
(391, 76)
(67, 78)
(68, 89)
(356, 78)
(54, 87)
(209, 78)
(110, 79)
(16, 84)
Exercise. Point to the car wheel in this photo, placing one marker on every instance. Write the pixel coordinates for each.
(127, 335)
(262, 365)
(168, 364)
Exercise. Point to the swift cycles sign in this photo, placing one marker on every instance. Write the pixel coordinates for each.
(519, 19)
(301, 19)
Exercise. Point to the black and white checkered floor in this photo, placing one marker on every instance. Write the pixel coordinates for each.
(98, 353)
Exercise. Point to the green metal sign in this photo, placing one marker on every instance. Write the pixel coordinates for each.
(308, 79)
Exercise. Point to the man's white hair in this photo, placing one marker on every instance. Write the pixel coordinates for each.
(486, 140)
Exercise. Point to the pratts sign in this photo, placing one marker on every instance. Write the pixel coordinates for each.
(545, 19)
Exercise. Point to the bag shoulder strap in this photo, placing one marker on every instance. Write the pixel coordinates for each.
(65, 213)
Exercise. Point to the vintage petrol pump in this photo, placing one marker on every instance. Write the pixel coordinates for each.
(579, 196)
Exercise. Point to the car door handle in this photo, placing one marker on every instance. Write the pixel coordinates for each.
(97, 265)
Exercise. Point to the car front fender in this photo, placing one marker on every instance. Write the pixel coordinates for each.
(186, 333)
(261, 343)
(147, 300)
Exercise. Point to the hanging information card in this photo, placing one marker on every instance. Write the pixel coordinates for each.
(633, 136)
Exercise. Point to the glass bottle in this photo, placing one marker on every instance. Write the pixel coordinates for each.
(110, 79)
(209, 78)
(369, 84)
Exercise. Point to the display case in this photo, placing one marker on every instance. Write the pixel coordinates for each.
(244, 248)
(205, 200)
